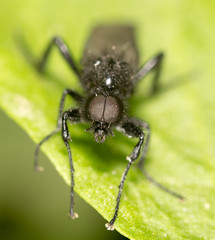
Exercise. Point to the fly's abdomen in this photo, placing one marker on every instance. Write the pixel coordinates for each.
(109, 59)
(107, 39)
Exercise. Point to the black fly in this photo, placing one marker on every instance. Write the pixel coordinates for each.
(109, 75)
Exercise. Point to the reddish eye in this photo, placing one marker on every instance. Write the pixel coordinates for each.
(112, 110)
(104, 108)
(96, 108)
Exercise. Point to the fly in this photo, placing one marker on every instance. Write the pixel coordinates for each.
(108, 76)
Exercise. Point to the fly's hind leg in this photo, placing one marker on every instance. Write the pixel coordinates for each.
(142, 158)
(153, 64)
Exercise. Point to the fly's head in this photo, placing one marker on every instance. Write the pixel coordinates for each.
(103, 111)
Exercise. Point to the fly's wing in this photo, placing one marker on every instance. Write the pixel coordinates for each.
(106, 38)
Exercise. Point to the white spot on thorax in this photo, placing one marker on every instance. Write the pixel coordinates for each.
(96, 63)
(108, 82)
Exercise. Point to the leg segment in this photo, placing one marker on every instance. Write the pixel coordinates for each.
(71, 115)
(143, 125)
(141, 163)
(75, 96)
(78, 98)
(157, 184)
(132, 130)
(36, 155)
(64, 50)
(152, 64)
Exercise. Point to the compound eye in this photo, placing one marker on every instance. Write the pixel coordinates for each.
(106, 109)
(112, 110)
(96, 108)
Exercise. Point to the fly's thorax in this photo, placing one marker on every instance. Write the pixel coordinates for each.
(109, 75)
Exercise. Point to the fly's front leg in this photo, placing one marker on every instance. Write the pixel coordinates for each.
(132, 130)
(73, 116)
(64, 50)
(147, 130)
(66, 92)
(152, 64)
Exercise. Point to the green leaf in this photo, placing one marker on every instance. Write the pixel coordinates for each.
(181, 154)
